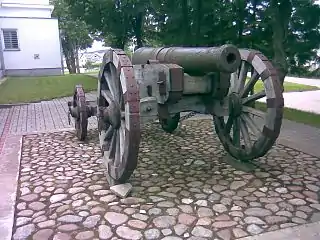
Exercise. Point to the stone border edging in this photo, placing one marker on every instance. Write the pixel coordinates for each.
(9, 172)
(309, 231)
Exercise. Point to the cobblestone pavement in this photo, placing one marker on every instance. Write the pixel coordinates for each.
(182, 189)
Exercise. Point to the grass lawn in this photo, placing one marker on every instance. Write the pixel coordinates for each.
(308, 118)
(288, 87)
(30, 89)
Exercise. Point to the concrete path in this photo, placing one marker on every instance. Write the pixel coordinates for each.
(305, 81)
(306, 101)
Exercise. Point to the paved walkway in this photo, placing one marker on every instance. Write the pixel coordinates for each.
(167, 200)
(183, 189)
(306, 81)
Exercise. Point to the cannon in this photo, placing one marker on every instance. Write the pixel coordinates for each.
(160, 83)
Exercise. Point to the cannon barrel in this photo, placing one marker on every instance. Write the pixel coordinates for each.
(194, 60)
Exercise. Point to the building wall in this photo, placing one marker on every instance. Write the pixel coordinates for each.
(26, 8)
(42, 2)
(37, 37)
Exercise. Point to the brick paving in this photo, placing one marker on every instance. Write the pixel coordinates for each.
(182, 189)
(41, 116)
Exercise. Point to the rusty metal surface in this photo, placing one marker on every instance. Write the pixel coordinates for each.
(194, 60)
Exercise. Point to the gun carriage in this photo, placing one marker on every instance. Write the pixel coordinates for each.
(161, 83)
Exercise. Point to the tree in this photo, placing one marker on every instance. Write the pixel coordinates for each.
(116, 21)
(74, 34)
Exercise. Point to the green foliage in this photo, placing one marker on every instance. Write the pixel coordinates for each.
(74, 33)
(284, 30)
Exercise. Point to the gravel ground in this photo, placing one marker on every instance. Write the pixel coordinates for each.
(182, 189)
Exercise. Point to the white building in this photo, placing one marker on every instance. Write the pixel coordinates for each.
(30, 42)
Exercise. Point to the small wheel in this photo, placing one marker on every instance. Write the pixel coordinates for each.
(170, 124)
(81, 122)
(118, 116)
(250, 128)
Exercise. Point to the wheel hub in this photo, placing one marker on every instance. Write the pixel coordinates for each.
(235, 105)
(112, 115)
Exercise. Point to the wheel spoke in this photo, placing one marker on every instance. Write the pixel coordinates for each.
(123, 115)
(253, 97)
(253, 111)
(236, 132)
(228, 125)
(107, 95)
(251, 124)
(233, 81)
(122, 132)
(242, 76)
(117, 159)
(245, 134)
(250, 84)
(109, 133)
(113, 145)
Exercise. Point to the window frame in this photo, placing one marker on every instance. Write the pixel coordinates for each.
(3, 30)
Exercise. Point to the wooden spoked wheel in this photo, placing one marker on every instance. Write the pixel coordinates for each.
(251, 127)
(170, 124)
(118, 116)
(81, 121)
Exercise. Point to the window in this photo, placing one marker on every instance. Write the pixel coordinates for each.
(10, 37)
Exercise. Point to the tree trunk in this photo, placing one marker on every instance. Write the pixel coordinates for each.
(240, 9)
(198, 23)
(77, 60)
(281, 14)
(185, 23)
(138, 29)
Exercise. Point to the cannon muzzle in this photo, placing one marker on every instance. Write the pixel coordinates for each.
(194, 60)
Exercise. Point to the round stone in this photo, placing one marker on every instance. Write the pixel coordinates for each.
(205, 212)
(254, 229)
(68, 227)
(137, 224)
(258, 212)
(154, 211)
(108, 198)
(85, 235)
(152, 234)
(43, 234)
(186, 219)
(76, 190)
(29, 198)
(115, 218)
(200, 231)
(58, 197)
(165, 204)
(24, 232)
(164, 221)
(220, 208)
(254, 220)
(297, 201)
(105, 232)
(128, 233)
(37, 206)
(70, 218)
(46, 224)
(91, 221)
